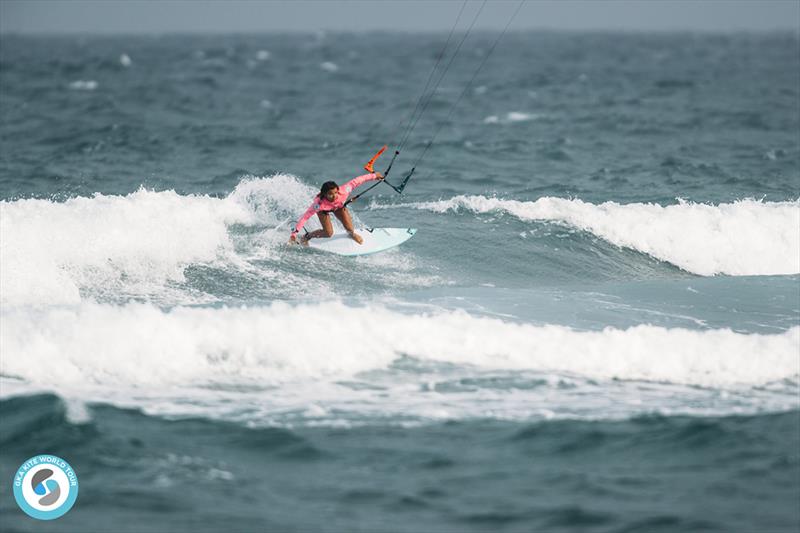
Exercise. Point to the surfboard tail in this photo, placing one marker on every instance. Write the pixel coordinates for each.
(370, 166)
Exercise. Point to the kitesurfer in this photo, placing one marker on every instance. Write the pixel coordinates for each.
(332, 199)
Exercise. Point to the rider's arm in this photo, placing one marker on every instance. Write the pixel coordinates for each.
(355, 182)
(313, 208)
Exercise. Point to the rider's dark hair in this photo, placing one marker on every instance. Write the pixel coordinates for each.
(328, 185)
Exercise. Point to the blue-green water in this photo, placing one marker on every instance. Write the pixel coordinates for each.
(596, 327)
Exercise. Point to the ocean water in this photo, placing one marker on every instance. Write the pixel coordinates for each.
(596, 327)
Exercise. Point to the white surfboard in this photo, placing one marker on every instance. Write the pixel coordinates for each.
(375, 240)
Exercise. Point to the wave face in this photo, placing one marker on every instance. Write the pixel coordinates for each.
(747, 237)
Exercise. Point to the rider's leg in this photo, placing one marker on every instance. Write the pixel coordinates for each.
(327, 228)
(347, 221)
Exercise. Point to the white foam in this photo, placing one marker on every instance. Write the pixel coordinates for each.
(262, 55)
(746, 237)
(516, 116)
(125, 60)
(329, 66)
(140, 345)
(513, 116)
(83, 85)
(272, 199)
(50, 251)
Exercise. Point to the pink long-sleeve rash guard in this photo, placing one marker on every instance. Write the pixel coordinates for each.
(325, 205)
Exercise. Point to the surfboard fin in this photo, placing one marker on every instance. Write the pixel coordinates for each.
(369, 167)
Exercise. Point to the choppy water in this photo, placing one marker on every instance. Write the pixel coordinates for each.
(597, 326)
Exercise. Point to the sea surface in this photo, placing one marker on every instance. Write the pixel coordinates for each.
(595, 328)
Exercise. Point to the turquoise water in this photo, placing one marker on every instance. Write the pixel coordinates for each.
(596, 327)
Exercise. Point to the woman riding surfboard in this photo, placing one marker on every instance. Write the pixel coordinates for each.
(332, 199)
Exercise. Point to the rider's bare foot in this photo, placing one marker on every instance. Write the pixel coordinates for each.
(356, 237)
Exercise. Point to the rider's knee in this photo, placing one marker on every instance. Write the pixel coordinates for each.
(328, 232)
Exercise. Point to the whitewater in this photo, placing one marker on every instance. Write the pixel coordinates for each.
(93, 302)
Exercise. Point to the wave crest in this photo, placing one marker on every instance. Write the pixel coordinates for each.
(747, 237)
(134, 244)
(140, 345)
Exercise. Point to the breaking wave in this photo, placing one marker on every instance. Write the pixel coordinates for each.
(134, 244)
(140, 344)
(747, 237)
